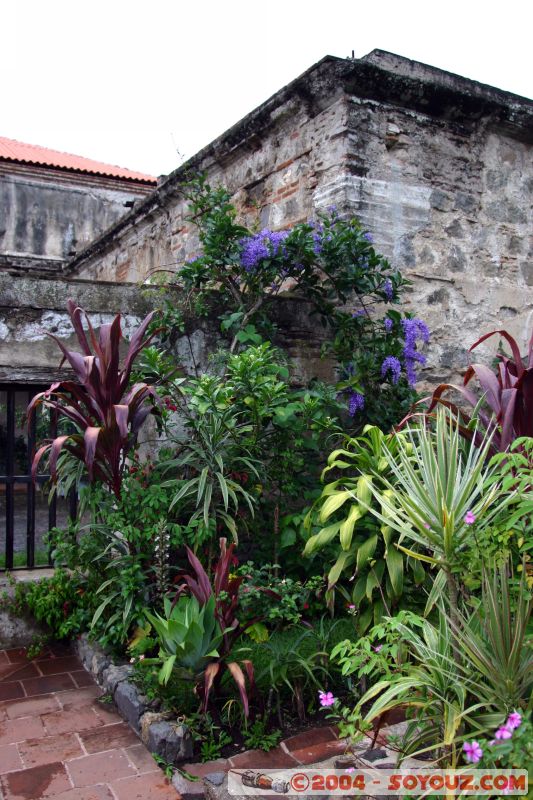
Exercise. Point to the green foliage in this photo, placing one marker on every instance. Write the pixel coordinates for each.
(256, 736)
(367, 546)
(58, 602)
(288, 599)
(188, 636)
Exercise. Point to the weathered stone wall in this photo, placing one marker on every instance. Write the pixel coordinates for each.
(47, 215)
(437, 167)
(32, 307)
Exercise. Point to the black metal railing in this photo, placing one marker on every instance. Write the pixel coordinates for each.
(25, 514)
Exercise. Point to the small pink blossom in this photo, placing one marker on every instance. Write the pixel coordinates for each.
(377, 648)
(350, 769)
(473, 752)
(427, 525)
(470, 518)
(141, 658)
(132, 661)
(351, 607)
(514, 721)
(326, 699)
(503, 733)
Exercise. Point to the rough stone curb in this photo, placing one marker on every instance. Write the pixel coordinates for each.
(170, 740)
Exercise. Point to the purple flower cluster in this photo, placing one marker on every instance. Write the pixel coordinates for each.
(387, 322)
(356, 403)
(413, 331)
(473, 751)
(368, 236)
(387, 288)
(265, 244)
(317, 239)
(392, 364)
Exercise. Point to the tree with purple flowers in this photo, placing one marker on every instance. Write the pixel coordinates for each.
(329, 262)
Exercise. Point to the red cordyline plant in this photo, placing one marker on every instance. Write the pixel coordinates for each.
(106, 412)
(508, 393)
(225, 590)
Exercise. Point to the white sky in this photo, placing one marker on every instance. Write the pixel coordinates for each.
(128, 82)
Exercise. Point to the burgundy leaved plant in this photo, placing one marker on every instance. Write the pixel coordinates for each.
(225, 589)
(508, 393)
(106, 412)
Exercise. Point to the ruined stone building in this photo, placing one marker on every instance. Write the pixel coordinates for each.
(438, 168)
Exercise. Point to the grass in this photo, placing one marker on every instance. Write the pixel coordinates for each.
(20, 560)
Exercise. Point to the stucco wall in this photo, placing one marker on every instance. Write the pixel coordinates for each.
(47, 214)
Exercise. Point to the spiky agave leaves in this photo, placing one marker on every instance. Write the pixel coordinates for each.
(106, 414)
(508, 393)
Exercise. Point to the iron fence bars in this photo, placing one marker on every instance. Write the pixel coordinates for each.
(25, 514)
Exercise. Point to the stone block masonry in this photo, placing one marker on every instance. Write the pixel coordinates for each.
(437, 167)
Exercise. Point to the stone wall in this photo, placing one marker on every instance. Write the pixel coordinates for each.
(32, 307)
(47, 215)
(437, 167)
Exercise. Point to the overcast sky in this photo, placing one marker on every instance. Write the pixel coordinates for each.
(131, 83)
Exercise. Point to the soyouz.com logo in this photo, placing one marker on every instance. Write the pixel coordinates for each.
(512, 783)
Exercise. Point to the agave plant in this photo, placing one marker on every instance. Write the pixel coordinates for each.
(188, 634)
(508, 393)
(223, 594)
(105, 411)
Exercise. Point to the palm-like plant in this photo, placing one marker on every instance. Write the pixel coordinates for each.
(435, 492)
(213, 454)
(106, 412)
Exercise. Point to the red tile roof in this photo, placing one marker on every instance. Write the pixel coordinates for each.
(11, 150)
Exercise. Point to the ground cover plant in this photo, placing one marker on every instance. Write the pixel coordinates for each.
(369, 567)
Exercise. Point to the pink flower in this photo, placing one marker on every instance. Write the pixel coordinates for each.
(503, 733)
(326, 699)
(350, 769)
(377, 648)
(514, 720)
(473, 752)
(132, 661)
(141, 658)
(427, 525)
(470, 518)
(351, 607)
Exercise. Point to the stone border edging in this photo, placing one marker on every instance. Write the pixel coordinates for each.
(172, 741)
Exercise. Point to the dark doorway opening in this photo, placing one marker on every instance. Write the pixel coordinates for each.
(26, 516)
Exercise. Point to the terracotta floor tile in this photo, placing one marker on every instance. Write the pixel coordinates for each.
(319, 752)
(309, 738)
(152, 785)
(59, 649)
(48, 684)
(77, 698)
(87, 793)
(32, 707)
(82, 678)
(49, 749)
(16, 654)
(9, 759)
(108, 738)
(104, 767)
(11, 690)
(74, 719)
(200, 770)
(274, 759)
(141, 758)
(18, 730)
(107, 712)
(35, 783)
(53, 666)
(20, 671)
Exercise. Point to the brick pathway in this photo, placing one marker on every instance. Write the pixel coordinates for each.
(57, 740)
